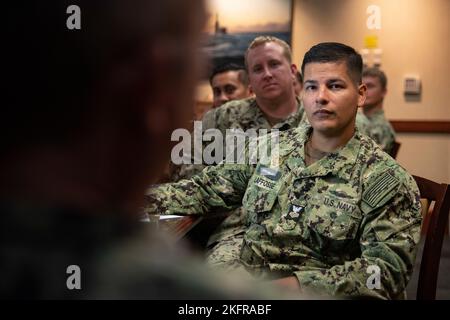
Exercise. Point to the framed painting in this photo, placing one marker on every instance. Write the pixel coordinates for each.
(233, 24)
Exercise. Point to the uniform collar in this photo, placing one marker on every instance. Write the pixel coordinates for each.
(339, 163)
(377, 114)
(239, 114)
(292, 121)
(258, 116)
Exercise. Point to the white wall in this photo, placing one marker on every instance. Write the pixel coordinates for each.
(414, 37)
(426, 155)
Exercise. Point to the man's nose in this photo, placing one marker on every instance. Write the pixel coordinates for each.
(223, 97)
(322, 95)
(267, 73)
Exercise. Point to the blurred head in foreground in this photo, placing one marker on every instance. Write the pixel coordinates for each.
(90, 95)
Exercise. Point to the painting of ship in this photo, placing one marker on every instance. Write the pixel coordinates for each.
(228, 43)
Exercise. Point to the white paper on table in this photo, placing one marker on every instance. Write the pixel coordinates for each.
(169, 216)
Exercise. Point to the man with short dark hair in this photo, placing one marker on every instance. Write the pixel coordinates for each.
(328, 209)
(229, 82)
(377, 126)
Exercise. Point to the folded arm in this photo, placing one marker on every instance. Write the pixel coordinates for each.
(216, 187)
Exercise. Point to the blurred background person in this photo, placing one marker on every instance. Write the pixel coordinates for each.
(229, 81)
(83, 113)
(377, 126)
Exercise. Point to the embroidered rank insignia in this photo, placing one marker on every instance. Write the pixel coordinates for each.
(289, 220)
(297, 209)
(381, 189)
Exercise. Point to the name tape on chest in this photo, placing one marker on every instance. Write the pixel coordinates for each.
(264, 183)
(338, 204)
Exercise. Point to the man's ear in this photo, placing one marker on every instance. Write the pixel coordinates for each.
(294, 70)
(362, 91)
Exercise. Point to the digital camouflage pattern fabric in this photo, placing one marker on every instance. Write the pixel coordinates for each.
(362, 123)
(378, 128)
(326, 223)
(237, 114)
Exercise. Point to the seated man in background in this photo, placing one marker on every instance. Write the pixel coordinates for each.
(229, 82)
(85, 110)
(376, 125)
(330, 207)
(275, 106)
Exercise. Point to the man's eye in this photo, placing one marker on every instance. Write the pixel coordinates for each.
(257, 69)
(230, 89)
(274, 63)
(336, 86)
(310, 87)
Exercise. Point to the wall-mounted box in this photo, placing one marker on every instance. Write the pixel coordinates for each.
(412, 85)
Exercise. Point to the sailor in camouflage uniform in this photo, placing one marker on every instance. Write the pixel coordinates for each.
(377, 126)
(328, 207)
(242, 115)
(380, 130)
(225, 242)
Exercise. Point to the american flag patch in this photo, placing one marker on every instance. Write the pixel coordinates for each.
(381, 188)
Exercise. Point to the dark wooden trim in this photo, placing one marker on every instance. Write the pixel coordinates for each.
(421, 126)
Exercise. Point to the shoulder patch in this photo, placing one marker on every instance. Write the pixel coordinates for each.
(380, 189)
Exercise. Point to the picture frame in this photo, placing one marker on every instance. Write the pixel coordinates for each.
(233, 24)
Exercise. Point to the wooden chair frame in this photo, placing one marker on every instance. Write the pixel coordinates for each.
(435, 226)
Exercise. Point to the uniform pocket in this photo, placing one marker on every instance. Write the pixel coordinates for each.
(258, 204)
(333, 218)
(260, 197)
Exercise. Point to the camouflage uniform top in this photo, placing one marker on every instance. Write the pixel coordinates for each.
(237, 114)
(379, 129)
(362, 123)
(326, 223)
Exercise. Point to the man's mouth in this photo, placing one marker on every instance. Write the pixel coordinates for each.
(323, 113)
(269, 85)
